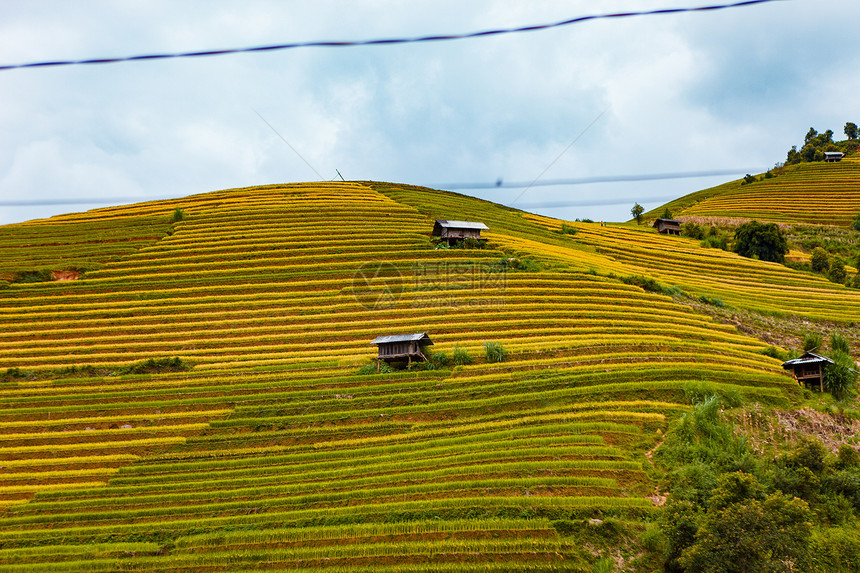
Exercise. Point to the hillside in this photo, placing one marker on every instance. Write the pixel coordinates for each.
(814, 193)
(263, 447)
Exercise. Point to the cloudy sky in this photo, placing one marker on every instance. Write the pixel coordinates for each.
(693, 92)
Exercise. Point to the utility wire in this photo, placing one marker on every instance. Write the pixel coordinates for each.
(381, 42)
(597, 179)
(288, 144)
(450, 186)
(569, 145)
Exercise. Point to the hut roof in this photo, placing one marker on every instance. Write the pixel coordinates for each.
(418, 336)
(807, 358)
(445, 223)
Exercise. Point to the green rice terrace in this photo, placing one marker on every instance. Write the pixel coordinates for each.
(813, 193)
(203, 396)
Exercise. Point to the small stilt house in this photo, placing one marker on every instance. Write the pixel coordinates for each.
(833, 156)
(668, 226)
(400, 347)
(808, 369)
(453, 231)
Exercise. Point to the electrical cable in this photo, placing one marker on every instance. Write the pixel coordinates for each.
(500, 184)
(381, 42)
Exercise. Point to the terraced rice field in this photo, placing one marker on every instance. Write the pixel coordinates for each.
(273, 453)
(818, 193)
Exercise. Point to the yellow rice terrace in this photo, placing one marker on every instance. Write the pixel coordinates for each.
(204, 394)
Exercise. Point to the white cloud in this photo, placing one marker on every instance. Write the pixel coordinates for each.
(734, 88)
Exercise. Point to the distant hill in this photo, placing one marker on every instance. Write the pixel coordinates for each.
(205, 397)
(817, 193)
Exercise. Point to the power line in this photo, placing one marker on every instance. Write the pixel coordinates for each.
(288, 144)
(500, 184)
(381, 42)
(569, 145)
(599, 202)
(453, 186)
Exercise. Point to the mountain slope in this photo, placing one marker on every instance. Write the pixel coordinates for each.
(818, 193)
(271, 451)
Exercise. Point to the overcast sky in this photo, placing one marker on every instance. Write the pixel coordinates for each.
(730, 89)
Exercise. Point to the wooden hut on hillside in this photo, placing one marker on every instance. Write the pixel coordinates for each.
(808, 369)
(453, 231)
(400, 347)
(668, 226)
(833, 156)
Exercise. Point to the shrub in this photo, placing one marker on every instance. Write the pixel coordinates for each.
(667, 214)
(39, 276)
(712, 301)
(819, 260)
(715, 242)
(375, 367)
(838, 343)
(748, 179)
(773, 352)
(154, 366)
(645, 283)
(460, 357)
(472, 243)
(760, 240)
(654, 540)
(811, 341)
(837, 272)
(693, 231)
(567, 229)
(763, 534)
(438, 361)
(524, 264)
(701, 392)
(856, 223)
(495, 352)
(178, 215)
(840, 378)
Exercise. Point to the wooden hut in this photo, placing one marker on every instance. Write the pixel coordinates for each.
(399, 347)
(808, 369)
(668, 226)
(453, 231)
(833, 156)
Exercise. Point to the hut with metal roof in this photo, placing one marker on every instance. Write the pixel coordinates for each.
(668, 226)
(833, 156)
(453, 231)
(402, 347)
(808, 369)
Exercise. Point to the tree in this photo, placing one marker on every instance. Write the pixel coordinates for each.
(753, 535)
(837, 272)
(760, 240)
(667, 214)
(810, 135)
(819, 260)
(637, 211)
(851, 130)
(856, 223)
